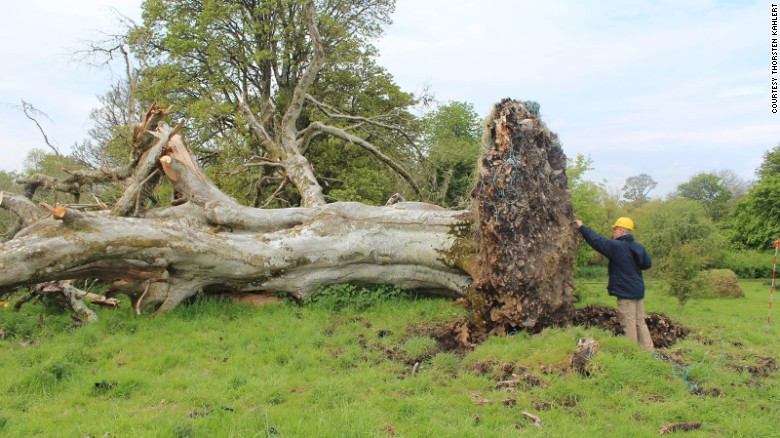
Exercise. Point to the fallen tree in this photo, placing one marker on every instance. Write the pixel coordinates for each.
(511, 254)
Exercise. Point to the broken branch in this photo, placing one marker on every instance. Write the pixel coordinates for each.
(679, 426)
(537, 421)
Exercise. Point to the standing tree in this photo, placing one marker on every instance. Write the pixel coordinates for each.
(666, 225)
(770, 165)
(304, 89)
(755, 223)
(736, 185)
(636, 188)
(756, 220)
(451, 142)
(708, 189)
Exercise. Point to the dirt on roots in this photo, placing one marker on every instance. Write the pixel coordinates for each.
(464, 334)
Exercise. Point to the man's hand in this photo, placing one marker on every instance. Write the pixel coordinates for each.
(578, 223)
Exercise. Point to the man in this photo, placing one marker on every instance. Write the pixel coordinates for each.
(627, 259)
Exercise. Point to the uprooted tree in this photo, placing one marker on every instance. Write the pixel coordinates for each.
(511, 254)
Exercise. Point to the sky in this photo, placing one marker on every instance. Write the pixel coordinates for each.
(668, 88)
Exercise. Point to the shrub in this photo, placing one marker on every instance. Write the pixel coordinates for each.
(682, 269)
(664, 226)
(720, 283)
(747, 264)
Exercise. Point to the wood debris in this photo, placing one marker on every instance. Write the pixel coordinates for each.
(678, 426)
(537, 421)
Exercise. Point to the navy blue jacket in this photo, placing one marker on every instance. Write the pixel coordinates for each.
(627, 259)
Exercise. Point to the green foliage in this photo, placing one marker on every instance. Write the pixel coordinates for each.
(755, 223)
(591, 272)
(663, 226)
(719, 283)
(41, 161)
(451, 138)
(347, 173)
(747, 263)
(7, 183)
(588, 199)
(202, 56)
(709, 190)
(637, 188)
(770, 165)
(682, 272)
(756, 220)
(353, 297)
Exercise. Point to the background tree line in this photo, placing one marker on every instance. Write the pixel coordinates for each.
(713, 221)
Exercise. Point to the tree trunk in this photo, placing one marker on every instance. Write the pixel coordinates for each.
(513, 257)
(193, 248)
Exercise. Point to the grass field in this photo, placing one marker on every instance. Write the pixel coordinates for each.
(215, 369)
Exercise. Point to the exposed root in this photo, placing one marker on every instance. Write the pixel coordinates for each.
(586, 349)
(678, 426)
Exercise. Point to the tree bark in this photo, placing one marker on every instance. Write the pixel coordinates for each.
(196, 249)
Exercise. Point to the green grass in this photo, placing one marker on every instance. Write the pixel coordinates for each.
(212, 368)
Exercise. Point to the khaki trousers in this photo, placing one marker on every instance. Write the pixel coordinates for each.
(632, 318)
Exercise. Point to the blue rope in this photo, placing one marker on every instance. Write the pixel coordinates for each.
(505, 173)
(682, 372)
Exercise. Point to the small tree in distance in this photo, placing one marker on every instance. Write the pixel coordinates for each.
(637, 188)
(707, 189)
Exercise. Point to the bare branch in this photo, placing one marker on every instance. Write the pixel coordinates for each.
(334, 113)
(30, 111)
(37, 181)
(78, 180)
(257, 128)
(103, 175)
(273, 195)
(289, 130)
(340, 133)
(145, 168)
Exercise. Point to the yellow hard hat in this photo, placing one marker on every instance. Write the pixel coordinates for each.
(624, 222)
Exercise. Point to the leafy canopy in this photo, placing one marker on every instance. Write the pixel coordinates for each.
(708, 189)
(451, 139)
(637, 188)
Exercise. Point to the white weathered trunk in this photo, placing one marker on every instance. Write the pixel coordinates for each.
(183, 251)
